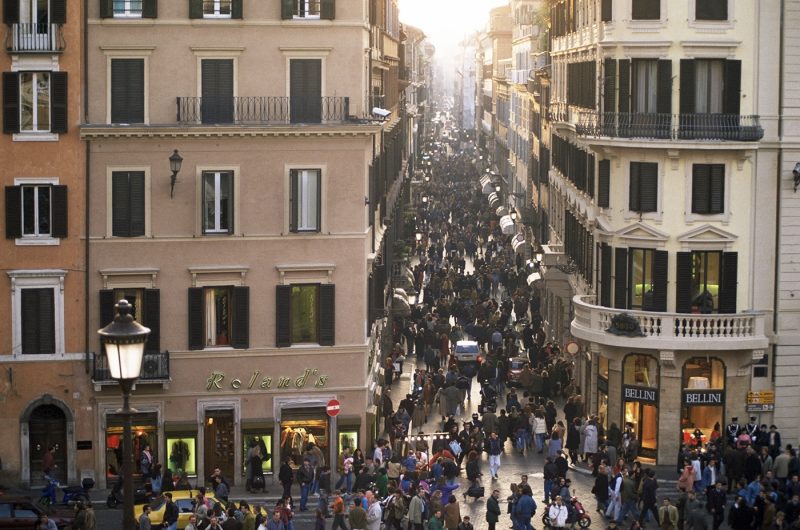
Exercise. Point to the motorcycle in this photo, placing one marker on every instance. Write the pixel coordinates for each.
(576, 514)
(71, 494)
(116, 497)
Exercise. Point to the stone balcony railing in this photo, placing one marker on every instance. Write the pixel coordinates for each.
(670, 331)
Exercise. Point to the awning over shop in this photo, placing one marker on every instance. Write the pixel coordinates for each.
(521, 246)
(400, 304)
(486, 185)
(494, 200)
(501, 211)
(507, 225)
(535, 277)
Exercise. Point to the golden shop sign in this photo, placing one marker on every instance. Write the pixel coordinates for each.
(217, 380)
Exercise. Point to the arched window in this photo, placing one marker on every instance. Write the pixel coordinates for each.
(703, 373)
(640, 370)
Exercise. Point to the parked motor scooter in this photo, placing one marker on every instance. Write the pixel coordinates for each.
(116, 497)
(71, 494)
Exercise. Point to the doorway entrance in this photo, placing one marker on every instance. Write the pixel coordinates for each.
(644, 417)
(219, 450)
(47, 427)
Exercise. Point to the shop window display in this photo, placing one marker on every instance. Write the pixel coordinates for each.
(264, 441)
(348, 439)
(298, 429)
(145, 432)
(703, 400)
(182, 454)
(640, 370)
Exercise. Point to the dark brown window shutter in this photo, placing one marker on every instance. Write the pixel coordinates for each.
(664, 95)
(328, 10)
(646, 9)
(195, 8)
(217, 90)
(621, 278)
(606, 8)
(624, 66)
(717, 189)
(733, 87)
(150, 9)
(688, 86)
(241, 318)
(127, 90)
(610, 85)
(13, 212)
(634, 200)
(701, 183)
(10, 11)
(236, 9)
(152, 319)
(606, 287)
(283, 316)
(603, 183)
(38, 321)
(10, 102)
(660, 271)
(120, 204)
(327, 315)
(58, 211)
(106, 8)
(197, 317)
(711, 10)
(107, 312)
(648, 187)
(293, 200)
(137, 197)
(58, 11)
(287, 9)
(58, 102)
(727, 294)
(683, 283)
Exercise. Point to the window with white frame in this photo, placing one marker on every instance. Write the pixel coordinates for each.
(306, 200)
(36, 210)
(306, 8)
(127, 8)
(217, 202)
(36, 219)
(37, 300)
(216, 8)
(34, 109)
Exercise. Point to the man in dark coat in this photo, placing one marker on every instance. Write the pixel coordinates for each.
(493, 509)
(647, 494)
(716, 499)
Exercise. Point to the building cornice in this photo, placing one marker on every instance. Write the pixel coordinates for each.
(233, 131)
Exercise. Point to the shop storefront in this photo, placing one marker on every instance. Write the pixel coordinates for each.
(602, 391)
(702, 399)
(144, 433)
(640, 394)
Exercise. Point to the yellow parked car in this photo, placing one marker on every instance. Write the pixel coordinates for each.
(184, 500)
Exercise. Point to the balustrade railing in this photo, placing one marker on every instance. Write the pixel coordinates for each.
(262, 110)
(35, 37)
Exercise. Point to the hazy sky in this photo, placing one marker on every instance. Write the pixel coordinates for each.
(446, 22)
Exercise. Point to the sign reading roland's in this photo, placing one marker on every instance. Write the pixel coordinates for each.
(635, 393)
(217, 380)
(713, 397)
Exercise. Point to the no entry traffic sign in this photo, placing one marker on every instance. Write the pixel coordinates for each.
(333, 408)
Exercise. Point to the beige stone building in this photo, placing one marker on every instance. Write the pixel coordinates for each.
(260, 266)
(44, 389)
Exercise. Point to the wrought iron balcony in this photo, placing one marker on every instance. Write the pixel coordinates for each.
(262, 110)
(35, 38)
(155, 368)
(670, 331)
(726, 127)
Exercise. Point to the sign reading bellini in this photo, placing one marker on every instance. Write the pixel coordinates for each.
(217, 380)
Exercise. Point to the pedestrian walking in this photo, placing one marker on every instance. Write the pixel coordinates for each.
(667, 516)
(495, 449)
(493, 509)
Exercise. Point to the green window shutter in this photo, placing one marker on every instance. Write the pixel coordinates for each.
(688, 86)
(683, 283)
(195, 8)
(152, 319)
(107, 312)
(197, 317)
(727, 294)
(327, 315)
(127, 90)
(58, 211)
(606, 288)
(106, 8)
(287, 9)
(664, 90)
(634, 201)
(621, 278)
(137, 224)
(716, 202)
(150, 9)
(624, 67)
(241, 318)
(733, 87)
(38, 321)
(701, 183)
(660, 271)
(328, 10)
(283, 316)
(13, 212)
(603, 183)
(10, 12)
(10, 102)
(648, 187)
(293, 200)
(58, 11)
(609, 85)
(606, 11)
(58, 102)
(217, 90)
(120, 204)
(236, 9)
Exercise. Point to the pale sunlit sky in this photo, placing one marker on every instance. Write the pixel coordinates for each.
(447, 22)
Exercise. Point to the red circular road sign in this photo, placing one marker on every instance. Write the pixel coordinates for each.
(333, 408)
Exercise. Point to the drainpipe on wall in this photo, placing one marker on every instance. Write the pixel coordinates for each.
(87, 159)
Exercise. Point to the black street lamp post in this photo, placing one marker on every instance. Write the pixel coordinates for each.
(124, 341)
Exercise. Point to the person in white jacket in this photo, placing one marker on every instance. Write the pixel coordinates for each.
(539, 429)
(558, 513)
(374, 513)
